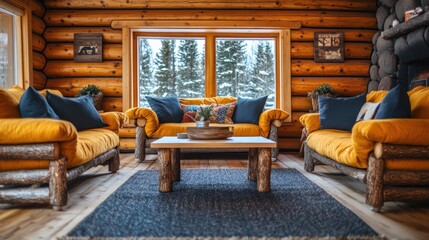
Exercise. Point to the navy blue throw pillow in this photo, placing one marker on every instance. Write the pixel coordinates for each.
(340, 113)
(396, 104)
(79, 111)
(248, 110)
(167, 109)
(34, 105)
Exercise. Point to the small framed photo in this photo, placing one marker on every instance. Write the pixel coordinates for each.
(328, 47)
(88, 47)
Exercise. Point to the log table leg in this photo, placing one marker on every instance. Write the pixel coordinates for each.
(252, 169)
(175, 162)
(165, 173)
(58, 183)
(264, 170)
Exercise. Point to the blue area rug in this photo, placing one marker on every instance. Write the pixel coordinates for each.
(220, 204)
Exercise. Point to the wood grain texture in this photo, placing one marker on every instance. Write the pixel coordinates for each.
(114, 162)
(39, 80)
(77, 69)
(40, 151)
(38, 42)
(64, 51)
(112, 104)
(350, 35)
(37, 8)
(39, 61)
(24, 177)
(37, 24)
(349, 68)
(66, 34)
(305, 50)
(406, 178)
(374, 181)
(69, 87)
(264, 170)
(349, 5)
(252, 169)
(140, 144)
(25, 196)
(58, 183)
(386, 151)
(311, 19)
(274, 137)
(406, 27)
(346, 86)
(175, 164)
(165, 171)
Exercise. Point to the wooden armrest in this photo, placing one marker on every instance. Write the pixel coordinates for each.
(386, 151)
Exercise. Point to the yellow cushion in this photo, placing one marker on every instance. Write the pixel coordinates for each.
(335, 144)
(89, 144)
(376, 96)
(172, 129)
(419, 99)
(224, 99)
(196, 101)
(56, 92)
(8, 104)
(17, 91)
(114, 120)
(267, 117)
(152, 122)
(311, 121)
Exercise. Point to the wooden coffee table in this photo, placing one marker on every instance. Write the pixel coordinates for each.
(259, 158)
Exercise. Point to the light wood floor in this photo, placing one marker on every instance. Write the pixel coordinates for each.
(397, 221)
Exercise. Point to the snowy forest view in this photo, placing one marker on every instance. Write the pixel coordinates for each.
(169, 67)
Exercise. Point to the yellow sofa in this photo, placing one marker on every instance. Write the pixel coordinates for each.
(149, 128)
(391, 155)
(35, 151)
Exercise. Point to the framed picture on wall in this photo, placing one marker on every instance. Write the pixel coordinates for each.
(328, 47)
(88, 47)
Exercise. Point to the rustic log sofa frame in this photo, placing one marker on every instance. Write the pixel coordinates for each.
(382, 185)
(143, 142)
(56, 176)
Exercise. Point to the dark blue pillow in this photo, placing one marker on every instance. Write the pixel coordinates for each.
(340, 113)
(248, 110)
(79, 111)
(167, 109)
(34, 105)
(396, 104)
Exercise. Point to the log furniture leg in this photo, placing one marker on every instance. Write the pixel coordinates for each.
(140, 144)
(264, 170)
(301, 142)
(308, 159)
(165, 171)
(58, 183)
(175, 164)
(252, 168)
(274, 136)
(374, 181)
(114, 162)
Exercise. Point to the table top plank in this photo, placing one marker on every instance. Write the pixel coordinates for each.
(232, 142)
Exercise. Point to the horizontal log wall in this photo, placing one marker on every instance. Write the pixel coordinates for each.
(38, 42)
(355, 18)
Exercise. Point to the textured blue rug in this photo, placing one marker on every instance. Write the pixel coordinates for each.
(220, 204)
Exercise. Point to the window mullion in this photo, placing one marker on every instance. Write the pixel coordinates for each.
(210, 66)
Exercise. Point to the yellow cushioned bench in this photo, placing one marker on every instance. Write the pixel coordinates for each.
(387, 154)
(44, 150)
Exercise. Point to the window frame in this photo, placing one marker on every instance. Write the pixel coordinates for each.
(283, 27)
(23, 41)
(210, 38)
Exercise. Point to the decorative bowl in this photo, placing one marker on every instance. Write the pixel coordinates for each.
(210, 133)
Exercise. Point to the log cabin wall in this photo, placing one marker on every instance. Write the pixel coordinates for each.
(356, 18)
(38, 27)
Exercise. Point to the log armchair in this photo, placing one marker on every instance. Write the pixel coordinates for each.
(149, 129)
(39, 155)
(390, 155)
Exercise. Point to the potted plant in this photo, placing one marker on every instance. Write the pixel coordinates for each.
(204, 113)
(95, 93)
(322, 90)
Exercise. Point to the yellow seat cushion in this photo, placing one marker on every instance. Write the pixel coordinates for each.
(172, 129)
(419, 99)
(9, 103)
(89, 144)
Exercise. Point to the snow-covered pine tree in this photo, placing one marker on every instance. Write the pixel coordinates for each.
(165, 72)
(190, 70)
(230, 66)
(146, 82)
(262, 78)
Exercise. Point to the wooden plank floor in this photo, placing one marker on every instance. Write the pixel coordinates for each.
(397, 221)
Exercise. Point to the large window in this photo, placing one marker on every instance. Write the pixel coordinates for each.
(8, 49)
(205, 64)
